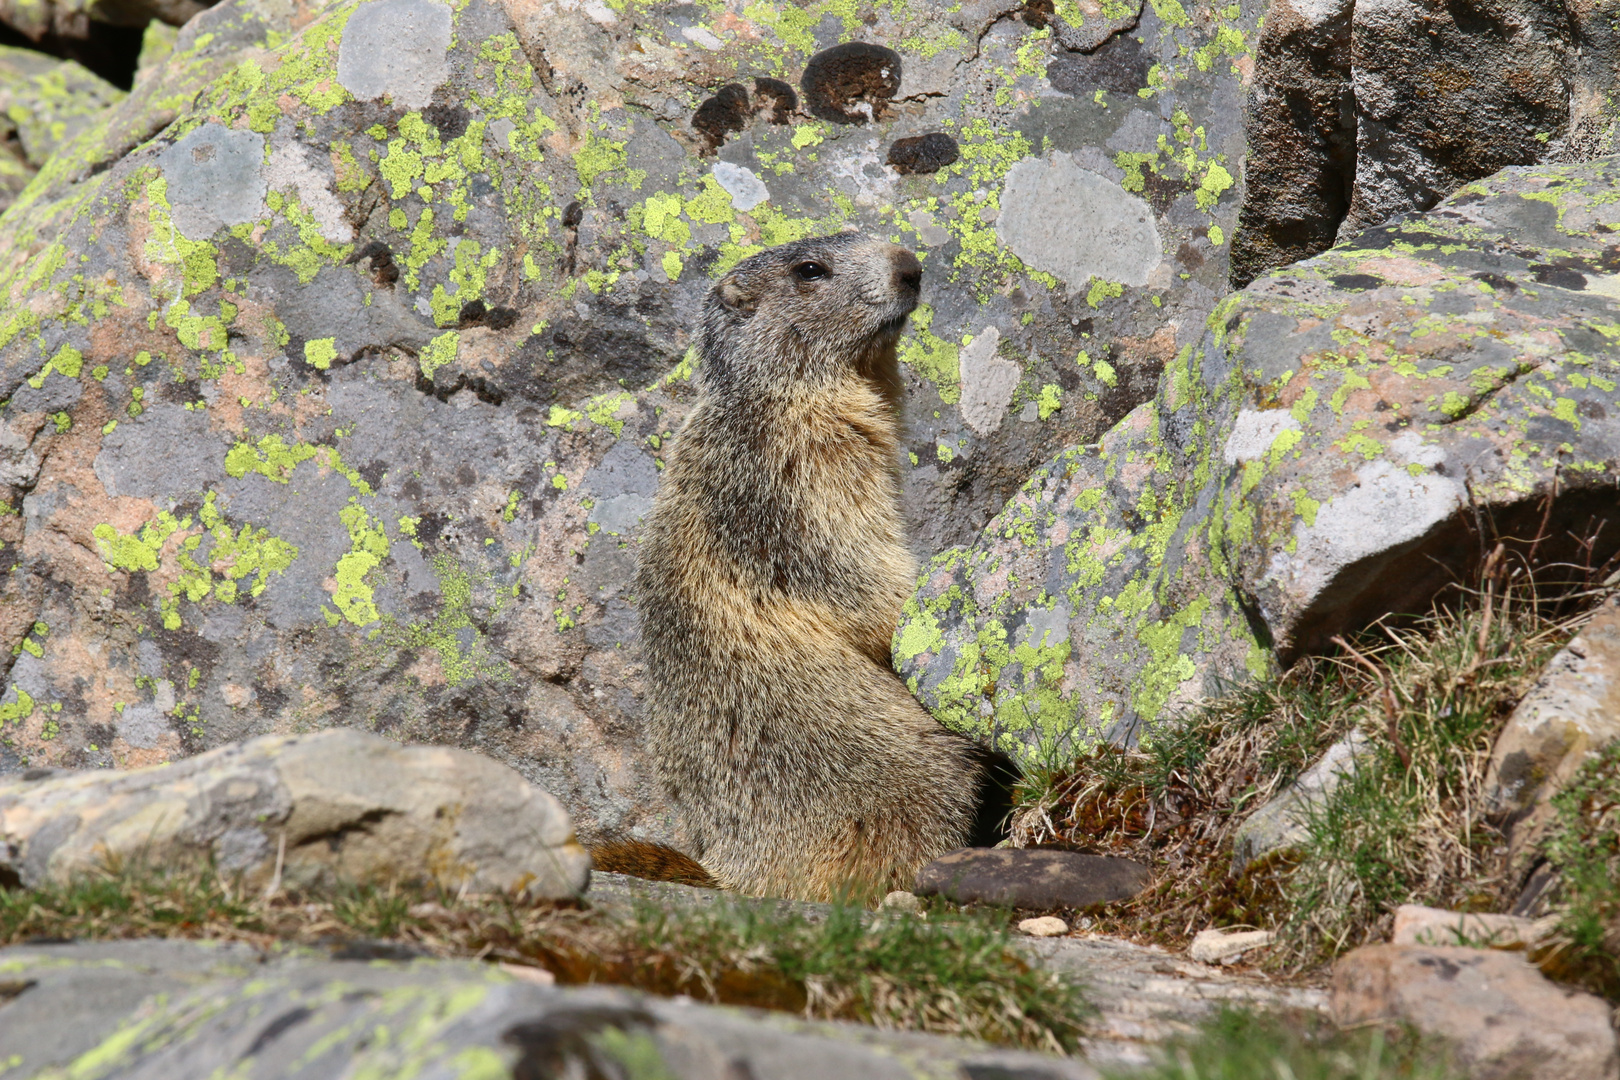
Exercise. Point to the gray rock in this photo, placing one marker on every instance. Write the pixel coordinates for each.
(44, 104)
(1365, 111)
(1322, 460)
(185, 1011)
(1146, 996)
(1504, 1017)
(354, 422)
(1030, 878)
(301, 809)
(1284, 821)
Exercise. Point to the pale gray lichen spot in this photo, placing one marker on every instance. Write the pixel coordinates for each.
(1408, 448)
(1387, 508)
(746, 190)
(214, 180)
(988, 382)
(1253, 433)
(1045, 628)
(929, 234)
(623, 484)
(142, 726)
(291, 168)
(395, 48)
(1070, 222)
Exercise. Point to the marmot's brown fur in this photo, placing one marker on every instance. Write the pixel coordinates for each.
(772, 572)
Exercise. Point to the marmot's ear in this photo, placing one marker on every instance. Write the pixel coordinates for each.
(733, 295)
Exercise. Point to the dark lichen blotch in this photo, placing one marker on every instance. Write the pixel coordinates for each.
(723, 114)
(851, 83)
(923, 153)
(774, 99)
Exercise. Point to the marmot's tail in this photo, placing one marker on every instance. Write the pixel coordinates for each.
(655, 862)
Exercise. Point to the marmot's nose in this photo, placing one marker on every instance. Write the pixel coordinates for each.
(907, 270)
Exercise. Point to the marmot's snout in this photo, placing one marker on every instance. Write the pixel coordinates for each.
(907, 271)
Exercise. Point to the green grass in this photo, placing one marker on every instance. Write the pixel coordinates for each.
(1239, 1045)
(1408, 826)
(952, 973)
(1584, 845)
(956, 973)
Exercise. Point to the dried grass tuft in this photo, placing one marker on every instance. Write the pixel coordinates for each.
(1431, 696)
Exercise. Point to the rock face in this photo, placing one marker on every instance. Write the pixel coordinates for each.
(1031, 878)
(1571, 714)
(336, 806)
(337, 360)
(189, 1011)
(1326, 456)
(1366, 110)
(1504, 1017)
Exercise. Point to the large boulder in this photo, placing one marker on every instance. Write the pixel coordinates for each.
(316, 809)
(1338, 448)
(337, 361)
(1366, 109)
(44, 104)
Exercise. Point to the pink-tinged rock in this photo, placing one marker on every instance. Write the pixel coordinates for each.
(1416, 924)
(1570, 715)
(1504, 1018)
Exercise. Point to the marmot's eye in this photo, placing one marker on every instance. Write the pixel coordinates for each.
(810, 271)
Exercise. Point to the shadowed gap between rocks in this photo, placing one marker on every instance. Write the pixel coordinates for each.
(1453, 555)
(1361, 111)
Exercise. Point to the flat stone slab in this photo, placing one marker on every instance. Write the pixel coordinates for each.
(1144, 994)
(1031, 878)
(185, 1010)
(338, 805)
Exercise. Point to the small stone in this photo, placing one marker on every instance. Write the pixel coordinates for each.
(1284, 821)
(525, 973)
(1220, 947)
(1031, 878)
(1045, 926)
(900, 900)
(1570, 715)
(1419, 925)
(1503, 1017)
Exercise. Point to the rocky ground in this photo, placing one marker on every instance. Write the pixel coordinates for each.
(340, 342)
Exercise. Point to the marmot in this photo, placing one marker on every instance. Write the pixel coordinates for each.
(772, 572)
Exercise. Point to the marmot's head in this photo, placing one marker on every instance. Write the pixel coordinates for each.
(810, 311)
